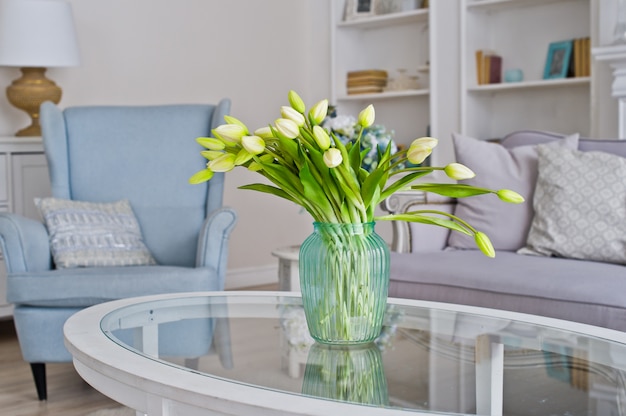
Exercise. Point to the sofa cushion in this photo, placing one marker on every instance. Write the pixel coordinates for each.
(561, 288)
(580, 206)
(93, 234)
(81, 287)
(497, 167)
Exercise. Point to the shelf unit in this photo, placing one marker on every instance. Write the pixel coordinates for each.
(388, 42)
(520, 31)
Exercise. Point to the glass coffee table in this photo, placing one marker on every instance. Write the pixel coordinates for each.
(249, 353)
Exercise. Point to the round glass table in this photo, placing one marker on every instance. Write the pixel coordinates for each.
(249, 353)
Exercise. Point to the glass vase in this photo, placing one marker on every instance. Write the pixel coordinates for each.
(347, 373)
(344, 277)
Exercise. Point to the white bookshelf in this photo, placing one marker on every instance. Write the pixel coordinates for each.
(447, 35)
(520, 31)
(388, 42)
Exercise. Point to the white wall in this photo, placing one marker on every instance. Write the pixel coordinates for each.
(198, 51)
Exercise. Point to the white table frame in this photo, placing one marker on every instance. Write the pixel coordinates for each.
(157, 389)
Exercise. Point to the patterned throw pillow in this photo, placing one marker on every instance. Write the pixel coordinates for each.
(580, 206)
(86, 234)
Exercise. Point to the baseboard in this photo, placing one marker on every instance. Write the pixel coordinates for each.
(251, 276)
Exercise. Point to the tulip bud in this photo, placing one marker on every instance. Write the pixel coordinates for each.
(242, 157)
(233, 120)
(430, 142)
(367, 116)
(484, 244)
(264, 132)
(211, 143)
(211, 154)
(321, 137)
(287, 128)
(332, 157)
(458, 171)
(224, 163)
(512, 197)
(230, 133)
(253, 144)
(296, 102)
(201, 176)
(418, 154)
(318, 112)
(293, 115)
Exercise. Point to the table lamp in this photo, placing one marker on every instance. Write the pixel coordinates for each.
(35, 34)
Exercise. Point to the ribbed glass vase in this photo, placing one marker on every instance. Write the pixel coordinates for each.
(344, 277)
(347, 373)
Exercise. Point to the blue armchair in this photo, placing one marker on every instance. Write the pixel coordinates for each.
(144, 154)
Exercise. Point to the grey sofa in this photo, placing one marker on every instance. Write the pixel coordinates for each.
(424, 266)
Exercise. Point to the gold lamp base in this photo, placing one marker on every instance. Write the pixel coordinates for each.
(29, 92)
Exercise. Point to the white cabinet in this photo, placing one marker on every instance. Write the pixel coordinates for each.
(520, 32)
(23, 176)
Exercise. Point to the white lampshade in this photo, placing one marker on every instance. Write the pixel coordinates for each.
(37, 33)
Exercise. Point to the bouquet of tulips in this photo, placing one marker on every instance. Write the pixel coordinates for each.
(311, 167)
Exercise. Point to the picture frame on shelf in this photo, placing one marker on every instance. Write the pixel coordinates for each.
(356, 9)
(558, 60)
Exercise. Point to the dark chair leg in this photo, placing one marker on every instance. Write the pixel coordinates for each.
(39, 374)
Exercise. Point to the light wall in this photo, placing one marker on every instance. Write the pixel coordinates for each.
(198, 51)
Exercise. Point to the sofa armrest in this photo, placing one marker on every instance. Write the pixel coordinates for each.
(213, 241)
(416, 237)
(24, 243)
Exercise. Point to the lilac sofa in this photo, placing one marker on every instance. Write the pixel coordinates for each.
(425, 266)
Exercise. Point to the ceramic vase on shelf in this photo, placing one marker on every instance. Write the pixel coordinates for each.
(344, 277)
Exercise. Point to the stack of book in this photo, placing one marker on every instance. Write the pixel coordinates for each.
(366, 81)
(488, 67)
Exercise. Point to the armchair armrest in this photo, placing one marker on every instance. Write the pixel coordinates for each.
(416, 237)
(24, 243)
(213, 241)
(213, 252)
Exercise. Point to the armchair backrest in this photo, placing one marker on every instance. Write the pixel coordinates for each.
(141, 153)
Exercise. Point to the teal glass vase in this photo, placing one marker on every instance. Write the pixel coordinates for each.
(347, 373)
(344, 277)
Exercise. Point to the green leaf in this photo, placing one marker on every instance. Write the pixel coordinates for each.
(268, 189)
(283, 177)
(425, 219)
(371, 185)
(452, 190)
(402, 182)
(355, 157)
(314, 192)
(289, 149)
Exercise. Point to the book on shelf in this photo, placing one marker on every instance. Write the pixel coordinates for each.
(579, 65)
(587, 57)
(366, 81)
(488, 67)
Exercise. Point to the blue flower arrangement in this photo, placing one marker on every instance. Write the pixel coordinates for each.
(374, 139)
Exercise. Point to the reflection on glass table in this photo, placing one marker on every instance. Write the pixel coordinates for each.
(430, 357)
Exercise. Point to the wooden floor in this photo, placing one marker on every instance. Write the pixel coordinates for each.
(68, 394)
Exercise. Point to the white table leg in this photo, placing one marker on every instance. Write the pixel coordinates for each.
(147, 339)
(489, 376)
